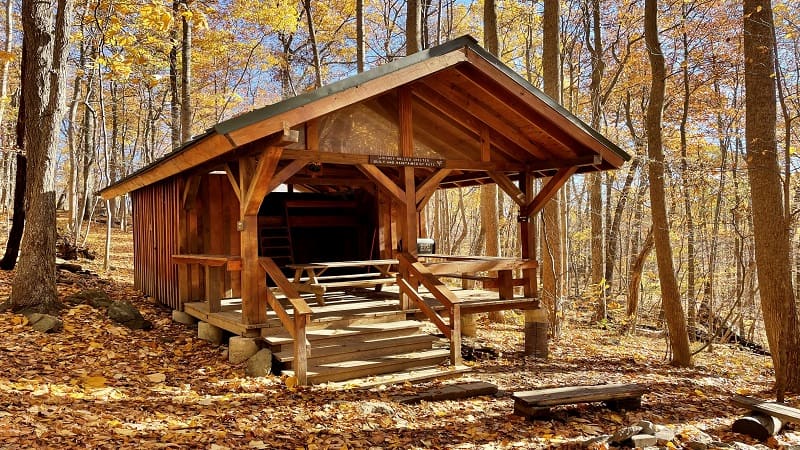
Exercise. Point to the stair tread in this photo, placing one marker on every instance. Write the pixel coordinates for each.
(284, 337)
(388, 359)
(345, 370)
(355, 345)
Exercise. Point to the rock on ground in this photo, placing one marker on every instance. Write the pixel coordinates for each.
(45, 322)
(93, 297)
(260, 364)
(125, 313)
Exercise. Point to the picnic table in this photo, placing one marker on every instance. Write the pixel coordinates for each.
(311, 277)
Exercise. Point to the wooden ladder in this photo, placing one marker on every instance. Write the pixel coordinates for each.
(275, 241)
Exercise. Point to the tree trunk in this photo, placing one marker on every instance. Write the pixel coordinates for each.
(594, 43)
(770, 221)
(186, 79)
(45, 42)
(691, 306)
(312, 39)
(359, 36)
(670, 293)
(413, 29)
(552, 244)
(9, 260)
(636, 275)
(175, 107)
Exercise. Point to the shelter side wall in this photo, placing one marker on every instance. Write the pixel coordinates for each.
(155, 237)
(210, 228)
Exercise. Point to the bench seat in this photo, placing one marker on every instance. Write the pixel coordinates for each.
(537, 403)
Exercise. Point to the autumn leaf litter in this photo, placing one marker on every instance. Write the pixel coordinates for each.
(99, 385)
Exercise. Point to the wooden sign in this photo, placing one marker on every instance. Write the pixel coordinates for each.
(392, 160)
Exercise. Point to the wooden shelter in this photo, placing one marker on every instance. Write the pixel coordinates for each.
(360, 157)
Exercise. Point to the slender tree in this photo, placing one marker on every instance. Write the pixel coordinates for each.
(770, 221)
(552, 245)
(670, 293)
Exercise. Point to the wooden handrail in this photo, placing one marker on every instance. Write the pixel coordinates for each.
(417, 271)
(296, 325)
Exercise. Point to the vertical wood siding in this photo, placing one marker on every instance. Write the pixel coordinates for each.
(155, 240)
(208, 225)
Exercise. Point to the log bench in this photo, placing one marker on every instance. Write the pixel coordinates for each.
(537, 403)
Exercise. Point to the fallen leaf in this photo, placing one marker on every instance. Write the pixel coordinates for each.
(157, 377)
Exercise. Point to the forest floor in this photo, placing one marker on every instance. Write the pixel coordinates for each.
(99, 385)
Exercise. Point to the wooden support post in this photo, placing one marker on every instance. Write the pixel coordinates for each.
(505, 286)
(300, 364)
(455, 336)
(408, 221)
(215, 282)
(536, 328)
(254, 283)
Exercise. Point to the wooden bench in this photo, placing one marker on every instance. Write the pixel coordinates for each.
(214, 267)
(764, 419)
(536, 404)
(378, 273)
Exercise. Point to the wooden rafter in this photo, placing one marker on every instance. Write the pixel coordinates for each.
(548, 191)
(383, 181)
(428, 187)
(233, 180)
(486, 115)
(260, 181)
(287, 172)
(470, 116)
(509, 188)
(446, 136)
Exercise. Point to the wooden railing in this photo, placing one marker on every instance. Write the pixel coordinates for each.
(415, 272)
(294, 324)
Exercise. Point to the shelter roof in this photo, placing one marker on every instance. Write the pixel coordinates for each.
(469, 109)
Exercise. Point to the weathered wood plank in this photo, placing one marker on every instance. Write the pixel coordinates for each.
(784, 412)
(578, 394)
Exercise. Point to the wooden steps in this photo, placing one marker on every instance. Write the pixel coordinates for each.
(361, 348)
(344, 370)
(328, 336)
(354, 351)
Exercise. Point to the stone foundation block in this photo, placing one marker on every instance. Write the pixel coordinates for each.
(210, 333)
(242, 348)
(182, 317)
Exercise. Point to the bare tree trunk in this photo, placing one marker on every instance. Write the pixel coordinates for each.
(312, 38)
(770, 221)
(670, 293)
(186, 79)
(359, 36)
(552, 244)
(687, 204)
(636, 277)
(45, 42)
(594, 43)
(175, 107)
(413, 29)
